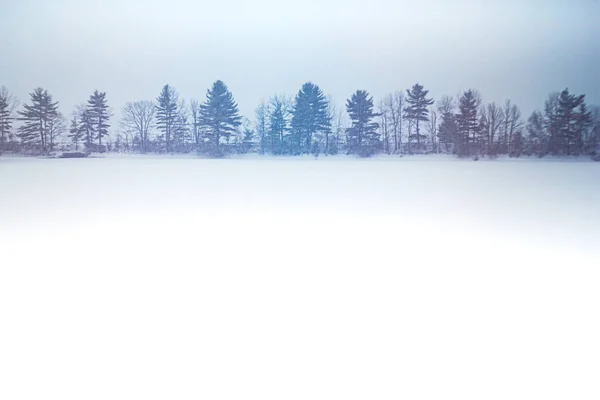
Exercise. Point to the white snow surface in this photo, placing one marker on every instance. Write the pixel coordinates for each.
(140, 277)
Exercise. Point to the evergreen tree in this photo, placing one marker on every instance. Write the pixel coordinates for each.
(416, 109)
(584, 124)
(567, 122)
(278, 124)
(466, 122)
(219, 115)
(37, 118)
(573, 118)
(309, 117)
(596, 130)
(167, 113)
(99, 114)
(552, 123)
(447, 130)
(87, 127)
(315, 149)
(362, 136)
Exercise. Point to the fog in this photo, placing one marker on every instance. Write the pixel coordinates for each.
(130, 48)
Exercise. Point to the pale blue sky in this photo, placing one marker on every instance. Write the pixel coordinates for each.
(130, 48)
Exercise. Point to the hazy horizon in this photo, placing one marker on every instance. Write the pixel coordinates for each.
(130, 49)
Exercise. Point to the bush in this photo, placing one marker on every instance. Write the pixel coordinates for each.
(596, 157)
(366, 151)
(76, 154)
(212, 151)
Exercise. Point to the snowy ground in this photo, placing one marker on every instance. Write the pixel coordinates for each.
(416, 278)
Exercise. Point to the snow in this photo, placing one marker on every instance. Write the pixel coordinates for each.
(421, 277)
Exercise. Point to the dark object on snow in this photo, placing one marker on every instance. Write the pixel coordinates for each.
(77, 154)
(596, 157)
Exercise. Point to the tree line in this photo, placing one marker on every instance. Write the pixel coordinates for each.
(409, 122)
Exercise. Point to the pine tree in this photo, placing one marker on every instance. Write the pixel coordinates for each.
(584, 124)
(167, 111)
(552, 123)
(447, 130)
(278, 124)
(219, 115)
(99, 114)
(362, 136)
(466, 121)
(37, 119)
(572, 118)
(416, 109)
(309, 117)
(87, 127)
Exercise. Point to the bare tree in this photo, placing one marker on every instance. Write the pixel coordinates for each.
(8, 104)
(56, 127)
(394, 103)
(337, 125)
(195, 114)
(127, 135)
(432, 126)
(409, 124)
(138, 117)
(492, 117)
(262, 115)
(446, 105)
(384, 113)
(515, 126)
(511, 117)
(331, 137)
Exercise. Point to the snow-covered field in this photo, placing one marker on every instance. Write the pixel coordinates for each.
(295, 278)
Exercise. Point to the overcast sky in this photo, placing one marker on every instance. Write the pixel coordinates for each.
(131, 48)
